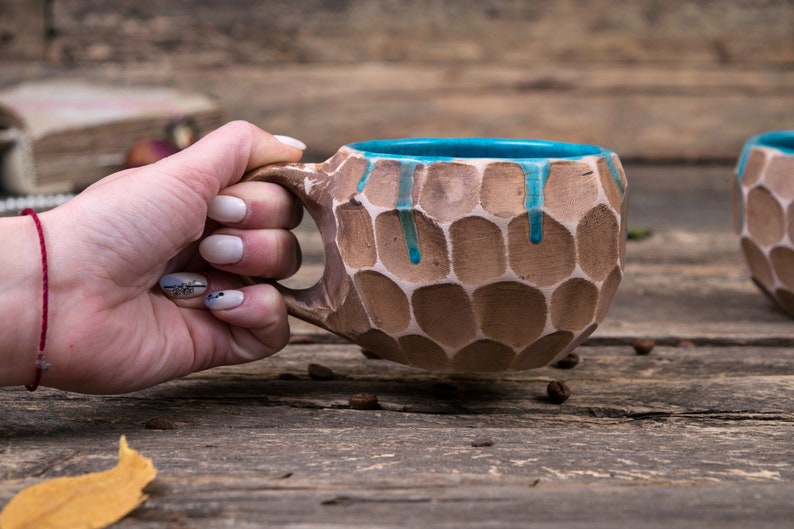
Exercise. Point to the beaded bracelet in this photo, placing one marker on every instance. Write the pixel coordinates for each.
(41, 361)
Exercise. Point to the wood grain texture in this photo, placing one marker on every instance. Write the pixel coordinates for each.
(352, 31)
(687, 433)
(643, 112)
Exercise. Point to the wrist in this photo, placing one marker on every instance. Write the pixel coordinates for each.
(20, 300)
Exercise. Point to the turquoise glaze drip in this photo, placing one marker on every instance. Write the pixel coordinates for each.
(613, 169)
(740, 168)
(536, 174)
(405, 205)
(742, 165)
(367, 172)
(615, 172)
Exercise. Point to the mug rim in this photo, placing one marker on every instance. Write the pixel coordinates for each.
(782, 140)
(448, 149)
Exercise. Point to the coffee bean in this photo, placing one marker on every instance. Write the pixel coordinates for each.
(643, 346)
(160, 423)
(363, 401)
(569, 361)
(321, 372)
(558, 391)
(482, 441)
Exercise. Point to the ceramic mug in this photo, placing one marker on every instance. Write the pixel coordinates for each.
(469, 254)
(764, 213)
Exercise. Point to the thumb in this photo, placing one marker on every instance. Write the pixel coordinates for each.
(222, 157)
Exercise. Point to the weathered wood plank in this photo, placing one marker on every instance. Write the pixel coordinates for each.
(688, 436)
(217, 500)
(642, 112)
(602, 31)
(726, 393)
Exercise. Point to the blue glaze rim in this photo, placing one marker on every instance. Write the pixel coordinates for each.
(428, 150)
(782, 140)
(533, 156)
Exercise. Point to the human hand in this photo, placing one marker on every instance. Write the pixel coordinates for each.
(111, 328)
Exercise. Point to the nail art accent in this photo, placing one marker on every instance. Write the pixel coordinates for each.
(183, 285)
(226, 208)
(224, 299)
(222, 249)
(292, 142)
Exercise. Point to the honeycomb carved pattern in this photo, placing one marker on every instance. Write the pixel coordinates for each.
(464, 265)
(483, 297)
(763, 206)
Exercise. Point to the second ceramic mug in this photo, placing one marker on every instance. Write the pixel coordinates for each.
(469, 254)
(763, 212)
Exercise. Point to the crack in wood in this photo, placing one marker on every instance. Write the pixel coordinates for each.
(46, 467)
(737, 415)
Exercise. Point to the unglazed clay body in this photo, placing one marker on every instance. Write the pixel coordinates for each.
(462, 254)
(764, 213)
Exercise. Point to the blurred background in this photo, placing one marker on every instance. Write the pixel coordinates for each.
(658, 80)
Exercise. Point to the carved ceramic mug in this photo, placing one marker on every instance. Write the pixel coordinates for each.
(764, 213)
(467, 254)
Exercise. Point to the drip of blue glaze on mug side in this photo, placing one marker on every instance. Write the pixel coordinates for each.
(367, 172)
(404, 203)
(405, 207)
(613, 169)
(536, 174)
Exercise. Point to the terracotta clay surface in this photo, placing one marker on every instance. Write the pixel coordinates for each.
(764, 214)
(462, 263)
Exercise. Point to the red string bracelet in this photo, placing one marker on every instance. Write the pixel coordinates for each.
(41, 362)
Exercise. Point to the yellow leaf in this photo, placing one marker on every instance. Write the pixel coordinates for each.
(91, 501)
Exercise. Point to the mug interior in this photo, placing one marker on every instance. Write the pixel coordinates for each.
(782, 140)
(491, 148)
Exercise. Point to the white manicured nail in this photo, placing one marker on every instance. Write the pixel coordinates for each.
(222, 249)
(226, 208)
(225, 299)
(183, 285)
(292, 142)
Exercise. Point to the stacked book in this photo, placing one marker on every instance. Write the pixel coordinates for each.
(57, 137)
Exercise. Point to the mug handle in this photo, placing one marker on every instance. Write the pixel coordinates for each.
(309, 183)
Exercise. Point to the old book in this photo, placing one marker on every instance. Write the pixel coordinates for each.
(60, 136)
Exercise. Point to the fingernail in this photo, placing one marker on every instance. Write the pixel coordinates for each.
(222, 249)
(224, 299)
(226, 208)
(292, 142)
(183, 285)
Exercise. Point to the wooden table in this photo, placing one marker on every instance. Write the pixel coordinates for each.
(700, 433)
